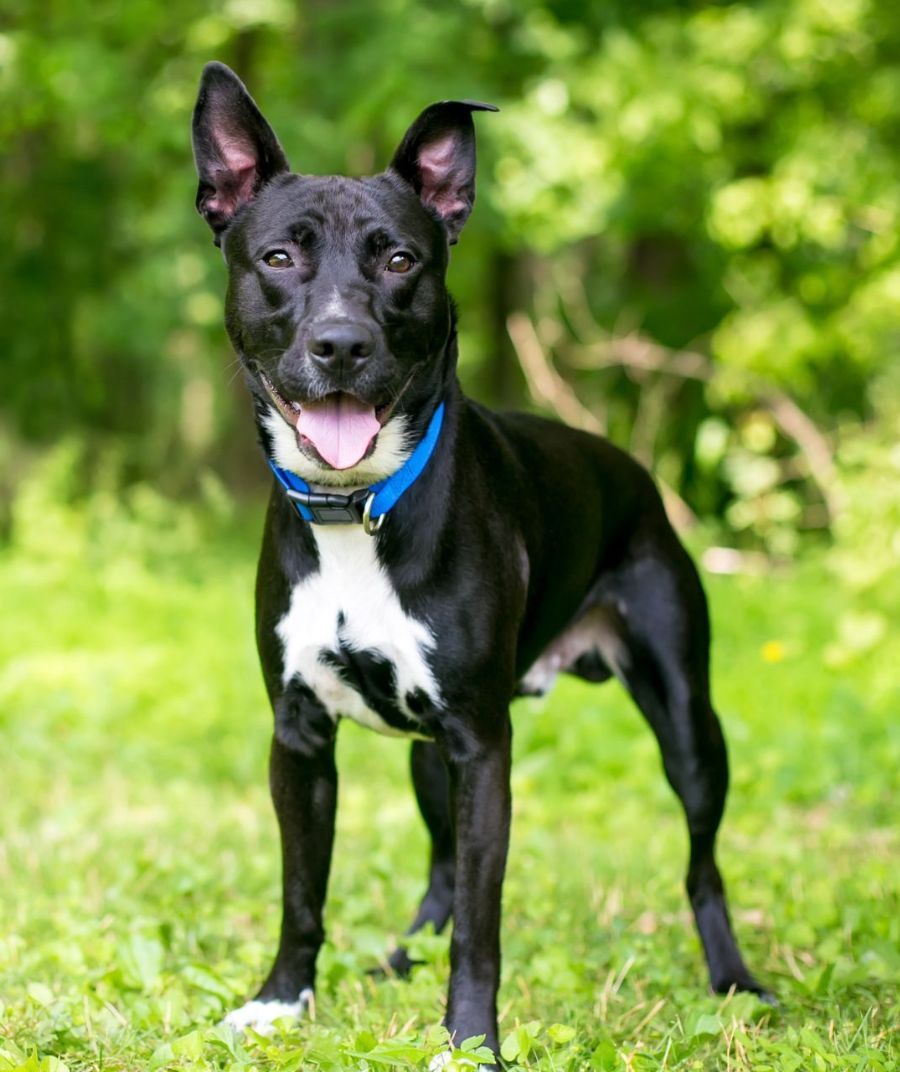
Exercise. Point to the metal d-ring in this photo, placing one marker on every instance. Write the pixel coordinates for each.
(370, 527)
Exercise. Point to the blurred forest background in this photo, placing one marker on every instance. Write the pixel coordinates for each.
(686, 237)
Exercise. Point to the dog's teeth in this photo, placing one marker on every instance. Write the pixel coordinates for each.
(295, 406)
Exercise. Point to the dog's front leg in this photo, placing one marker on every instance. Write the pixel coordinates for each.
(304, 792)
(480, 802)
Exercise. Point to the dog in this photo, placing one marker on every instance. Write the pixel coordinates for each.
(425, 560)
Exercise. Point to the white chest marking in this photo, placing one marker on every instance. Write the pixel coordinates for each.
(350, 603)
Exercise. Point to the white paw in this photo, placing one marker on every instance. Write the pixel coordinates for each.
(261, 1015)
(440, 1061)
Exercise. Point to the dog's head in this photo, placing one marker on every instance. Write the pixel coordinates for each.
(336, 299)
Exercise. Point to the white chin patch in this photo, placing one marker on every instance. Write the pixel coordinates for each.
(391, 451)
(261, 1015)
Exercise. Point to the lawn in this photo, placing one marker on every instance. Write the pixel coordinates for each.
(139, 869)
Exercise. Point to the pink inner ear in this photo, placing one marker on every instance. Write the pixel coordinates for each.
(233, 189)
(235, 179)
(440, 180)
(234, 153)
(437, 158)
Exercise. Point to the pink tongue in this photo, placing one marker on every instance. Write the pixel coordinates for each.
(340, 428)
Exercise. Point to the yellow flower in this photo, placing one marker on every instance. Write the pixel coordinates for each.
(772, 651)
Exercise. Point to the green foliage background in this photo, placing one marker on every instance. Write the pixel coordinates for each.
(686, 236)
(720, 179)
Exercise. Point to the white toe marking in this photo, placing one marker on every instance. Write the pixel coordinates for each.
(261, 1015)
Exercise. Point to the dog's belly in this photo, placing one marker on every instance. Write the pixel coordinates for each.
(348, 639)
(591, 647)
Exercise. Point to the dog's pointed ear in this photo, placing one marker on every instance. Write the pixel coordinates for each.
(235, 149)
(437, 158)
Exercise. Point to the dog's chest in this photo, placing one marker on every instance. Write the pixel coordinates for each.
(346, 636)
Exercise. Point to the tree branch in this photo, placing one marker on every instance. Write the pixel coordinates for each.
(637, 352)
(548, 388)
(545, 385)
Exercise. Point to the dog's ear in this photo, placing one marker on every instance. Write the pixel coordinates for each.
(235, 149)
(437, 158)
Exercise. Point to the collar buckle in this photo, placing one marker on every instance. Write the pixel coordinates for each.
(330, 508)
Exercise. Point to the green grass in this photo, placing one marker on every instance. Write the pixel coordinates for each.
(139, 869)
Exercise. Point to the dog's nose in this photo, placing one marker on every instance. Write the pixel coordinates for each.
(341, 345)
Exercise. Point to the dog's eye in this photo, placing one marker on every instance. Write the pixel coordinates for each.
(277, 258)
(401, 262)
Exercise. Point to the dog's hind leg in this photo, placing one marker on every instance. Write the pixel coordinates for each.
(432, 787)
(663, 661)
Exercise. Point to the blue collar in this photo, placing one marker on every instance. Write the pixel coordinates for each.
(367, 506)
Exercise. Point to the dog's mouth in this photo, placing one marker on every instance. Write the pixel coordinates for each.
(339, 427)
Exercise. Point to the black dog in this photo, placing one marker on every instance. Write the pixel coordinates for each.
(426, 560)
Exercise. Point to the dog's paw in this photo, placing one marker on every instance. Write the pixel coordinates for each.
(444, 1062)
(261, 1015)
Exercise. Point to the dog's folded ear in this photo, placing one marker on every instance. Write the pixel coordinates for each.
(235, 149)
(437, 158)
